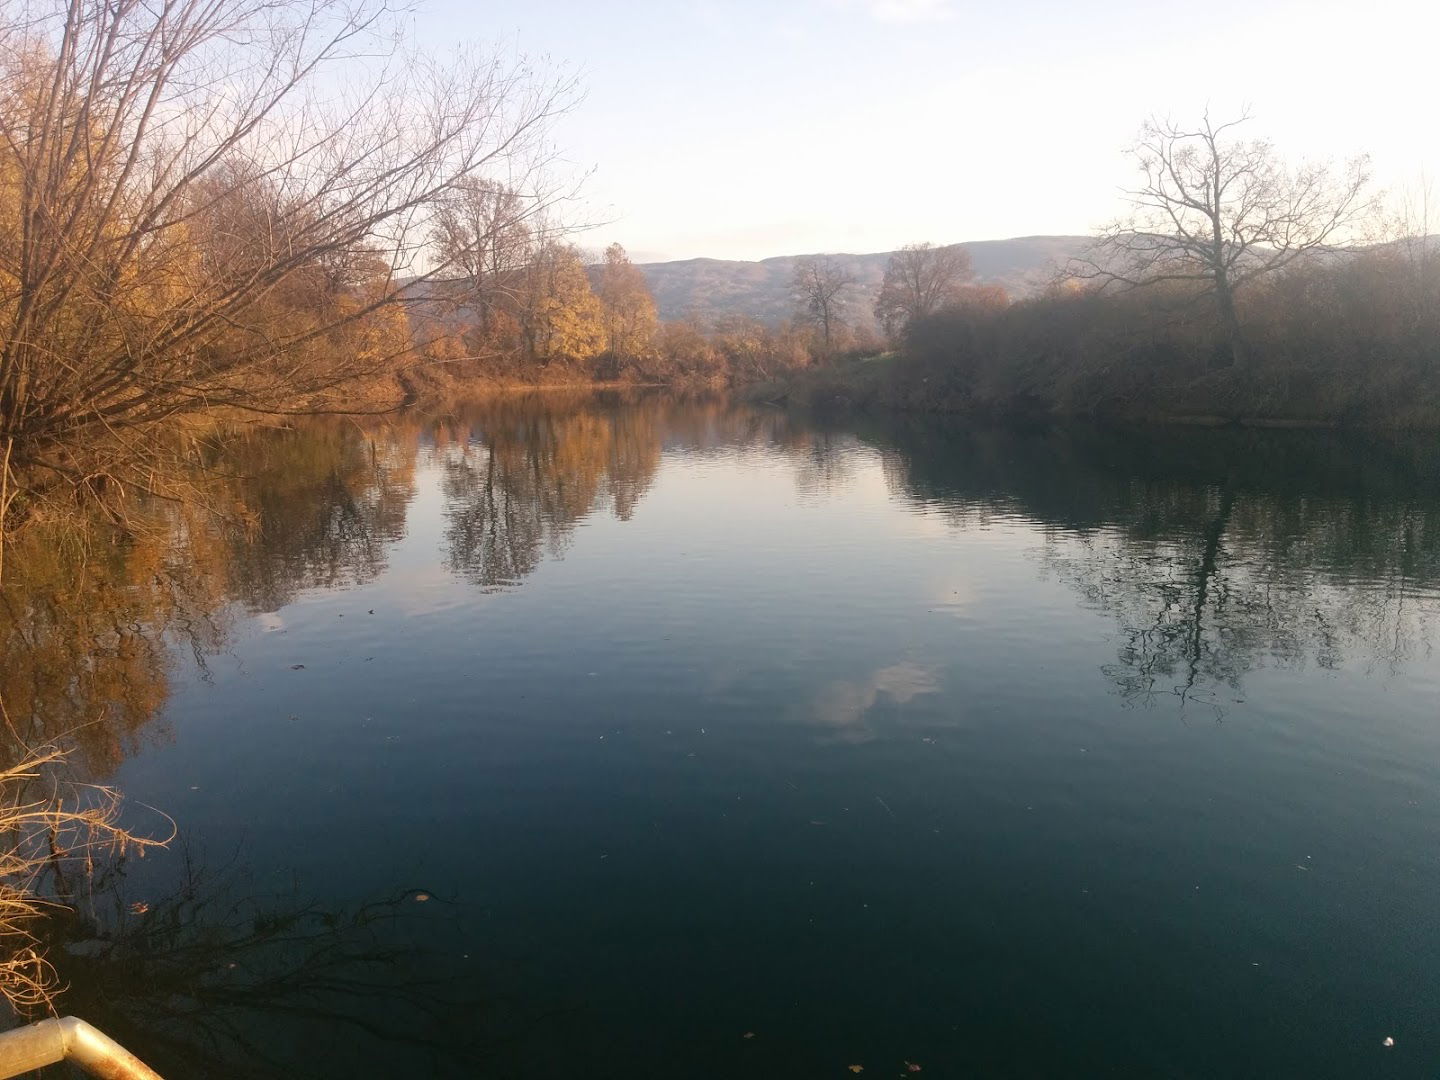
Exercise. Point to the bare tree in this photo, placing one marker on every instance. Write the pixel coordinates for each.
(1418, 250)
(820, 285)
(920, 279)
(1219, 213)
(485, 233)
(196, 216)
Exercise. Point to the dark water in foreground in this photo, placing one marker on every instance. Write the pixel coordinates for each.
(651, 739)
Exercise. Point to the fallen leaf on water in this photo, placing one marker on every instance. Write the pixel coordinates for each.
(910, 1066)
(422, 896)
(139, 907)
(748, 1035)
(857, 1068)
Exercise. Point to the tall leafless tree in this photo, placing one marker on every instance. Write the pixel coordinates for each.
(1219, 213)
(920, 279)
(821, 285)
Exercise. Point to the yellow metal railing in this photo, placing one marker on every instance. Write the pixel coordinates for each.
(69, 1039)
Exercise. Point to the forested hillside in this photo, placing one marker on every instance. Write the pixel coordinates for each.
(712, 288)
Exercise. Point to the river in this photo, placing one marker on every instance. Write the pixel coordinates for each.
(571, 735)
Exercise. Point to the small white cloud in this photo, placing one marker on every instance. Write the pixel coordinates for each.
(843, 707)
(912, 11)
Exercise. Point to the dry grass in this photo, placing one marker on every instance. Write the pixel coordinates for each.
(53, 835)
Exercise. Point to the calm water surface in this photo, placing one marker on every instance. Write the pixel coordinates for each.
(583, 737)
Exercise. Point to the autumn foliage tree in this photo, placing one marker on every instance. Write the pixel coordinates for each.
(631, 321)
(561, 318)
(194, 215)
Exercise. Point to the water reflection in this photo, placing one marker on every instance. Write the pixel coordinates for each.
(89, 628)
(1202, 556)
(320, 503)
(844, 707)
(521, 473)
(93, 617)
(219, 978)
(1215, 552)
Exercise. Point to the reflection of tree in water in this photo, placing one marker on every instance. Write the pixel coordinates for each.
(324, 500)
(520, 473)
(93, 615)
(214, 981)
(1216, 552)
(89, 624)
(1258, 578)
(825, 464)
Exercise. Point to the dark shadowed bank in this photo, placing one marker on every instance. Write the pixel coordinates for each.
(1349, 341)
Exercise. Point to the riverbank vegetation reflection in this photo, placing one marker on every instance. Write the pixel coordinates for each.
(1205, 556)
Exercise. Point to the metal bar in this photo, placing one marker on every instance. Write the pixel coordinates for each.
(69, 1039)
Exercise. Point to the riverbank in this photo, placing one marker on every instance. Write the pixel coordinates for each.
(889, 382)
(431, 382)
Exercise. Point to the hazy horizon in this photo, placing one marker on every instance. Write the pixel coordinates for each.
(747, 131)
(644, 257)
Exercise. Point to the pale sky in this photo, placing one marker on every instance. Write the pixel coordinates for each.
(743, 129)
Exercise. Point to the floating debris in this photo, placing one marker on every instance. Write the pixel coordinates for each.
(1388, 1041)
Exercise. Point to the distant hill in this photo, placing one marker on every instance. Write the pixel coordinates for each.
(708, 288)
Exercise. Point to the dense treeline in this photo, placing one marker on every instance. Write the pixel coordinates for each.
(534, 309)
(1351, 339)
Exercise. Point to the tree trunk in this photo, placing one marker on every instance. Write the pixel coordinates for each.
(6, 495)
(1204, 575)
(1230, 321)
